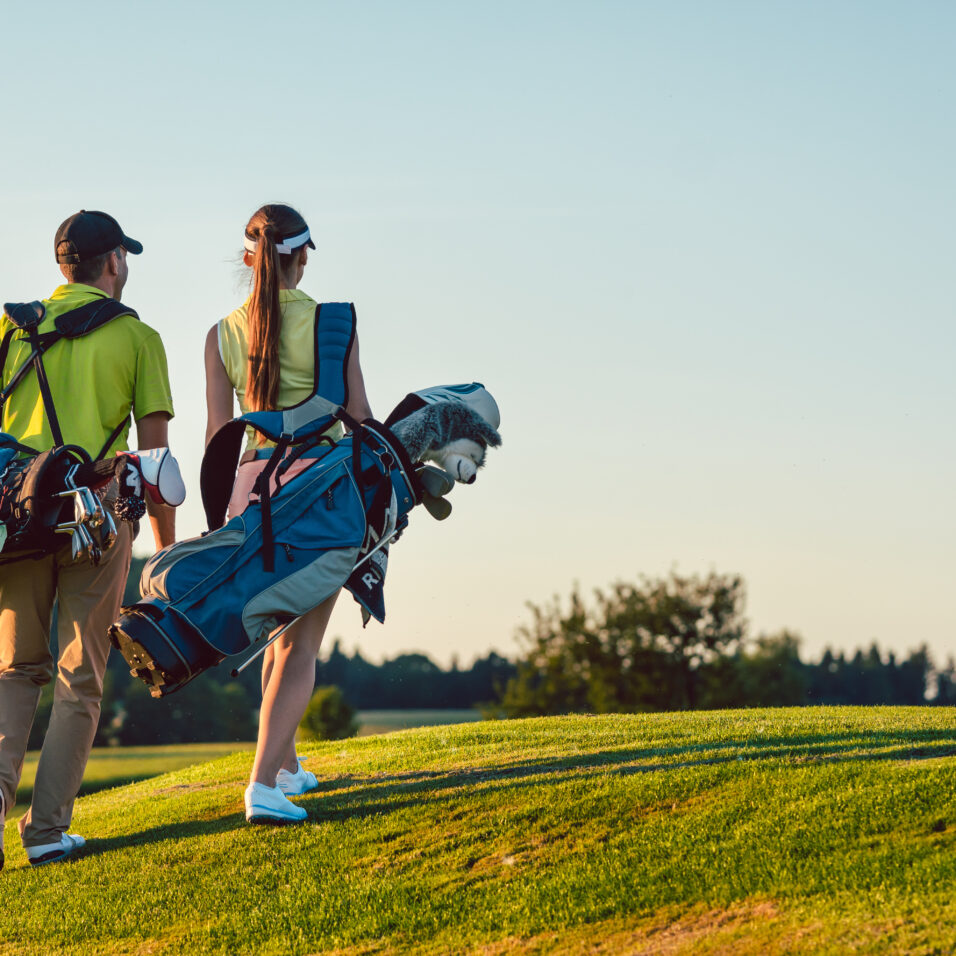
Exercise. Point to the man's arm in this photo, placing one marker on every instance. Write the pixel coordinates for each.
(152, 431)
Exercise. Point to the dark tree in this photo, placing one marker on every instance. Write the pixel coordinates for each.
(767, 672)
(202, 711)
(641, 647)
(328, 716)
(946, 685)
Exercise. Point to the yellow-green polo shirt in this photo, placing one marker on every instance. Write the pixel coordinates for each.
(296, 352)
(96, 380)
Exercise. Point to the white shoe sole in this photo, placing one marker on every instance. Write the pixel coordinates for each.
(268, 805)
(58, 853)
(54, 856)
(262, 815)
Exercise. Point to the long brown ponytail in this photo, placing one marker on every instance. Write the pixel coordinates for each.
(267, 227)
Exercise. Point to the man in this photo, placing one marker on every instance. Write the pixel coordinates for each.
(96, 381)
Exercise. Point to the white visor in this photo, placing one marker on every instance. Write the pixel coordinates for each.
(284, 247)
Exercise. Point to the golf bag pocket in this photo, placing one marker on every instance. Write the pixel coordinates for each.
(53, 499)
(30, 508)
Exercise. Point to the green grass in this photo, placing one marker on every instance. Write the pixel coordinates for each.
(115, 766)
(825, 830)
(385, 721)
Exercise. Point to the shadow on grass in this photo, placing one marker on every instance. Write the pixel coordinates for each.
(378, 793)
(354, 796)
(25, 794)
(160, 834)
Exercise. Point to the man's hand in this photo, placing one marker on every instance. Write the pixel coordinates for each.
(152, 431)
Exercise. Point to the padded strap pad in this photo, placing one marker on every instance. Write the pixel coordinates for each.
(25, 315)
(86, 318)
(334, 334)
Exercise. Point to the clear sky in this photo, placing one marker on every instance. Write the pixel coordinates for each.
(701, 253)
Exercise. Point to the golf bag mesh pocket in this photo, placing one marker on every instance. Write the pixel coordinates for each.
(298, 592)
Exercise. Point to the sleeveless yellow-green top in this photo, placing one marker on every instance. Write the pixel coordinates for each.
(296, 352)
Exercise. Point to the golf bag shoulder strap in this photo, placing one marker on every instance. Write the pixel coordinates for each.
(87, 318)
(334, 335)
(5, 348)
(111, 437)
(305, 421)
(25, 315)
(26, 318)
(9, 447)
(79, 321)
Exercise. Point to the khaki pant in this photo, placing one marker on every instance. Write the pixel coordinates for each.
(88, 600)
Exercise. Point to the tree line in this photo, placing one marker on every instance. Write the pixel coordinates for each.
(682, 643)
(215, 707)
(676, 643)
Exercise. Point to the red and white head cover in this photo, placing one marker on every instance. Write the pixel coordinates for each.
(160, 475)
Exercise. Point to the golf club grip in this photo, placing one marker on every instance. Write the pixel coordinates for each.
(94, 474)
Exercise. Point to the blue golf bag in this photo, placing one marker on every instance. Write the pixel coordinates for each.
(215, 595)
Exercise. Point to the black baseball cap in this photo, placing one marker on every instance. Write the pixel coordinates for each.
(88, 234)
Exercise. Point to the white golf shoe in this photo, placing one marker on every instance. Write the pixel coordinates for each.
(269, 805)
(295, 784)
(55, 852)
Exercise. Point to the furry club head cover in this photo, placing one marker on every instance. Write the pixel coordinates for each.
(450, 434)
(452, 426)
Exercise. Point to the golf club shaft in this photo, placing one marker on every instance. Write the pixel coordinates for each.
(238, 670)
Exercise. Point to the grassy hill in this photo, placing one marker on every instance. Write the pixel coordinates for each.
(826, 830)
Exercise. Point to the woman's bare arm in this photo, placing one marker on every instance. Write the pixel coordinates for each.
(219, 392)
(358, 406)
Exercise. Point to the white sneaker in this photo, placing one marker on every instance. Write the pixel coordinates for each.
(54, 852)
(295, 784)
(269, 805)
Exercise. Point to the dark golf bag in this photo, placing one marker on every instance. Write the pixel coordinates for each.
(48, 494)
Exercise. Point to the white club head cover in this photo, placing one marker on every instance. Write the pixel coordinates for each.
(459, 458)
(160, 473)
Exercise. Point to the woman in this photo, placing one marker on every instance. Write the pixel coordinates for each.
(263, 354)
